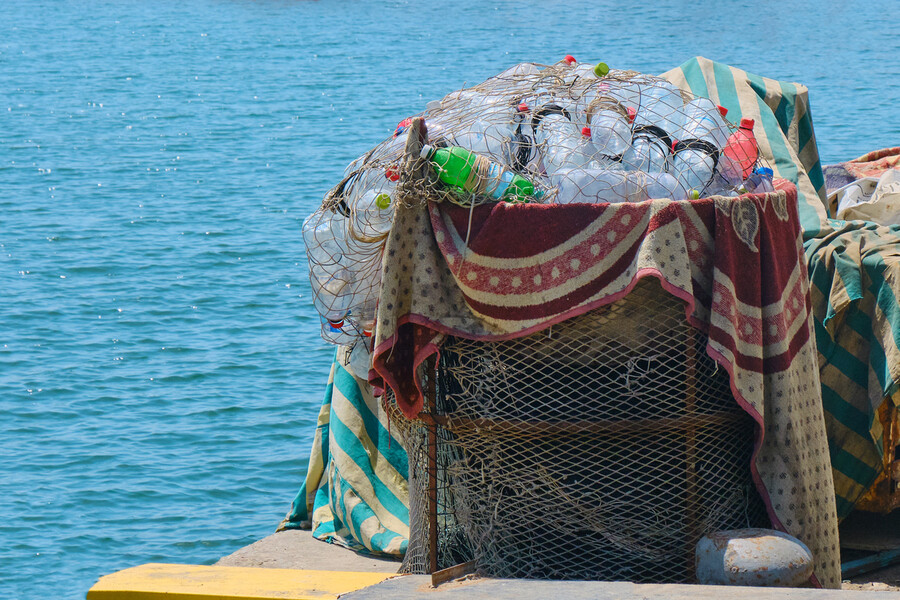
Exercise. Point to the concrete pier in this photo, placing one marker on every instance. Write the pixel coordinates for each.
(298, 550)
(292, 565)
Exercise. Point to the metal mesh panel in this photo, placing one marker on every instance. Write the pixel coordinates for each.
(601, 448)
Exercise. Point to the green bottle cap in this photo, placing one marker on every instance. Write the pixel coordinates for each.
(694, 195)
(382, 201)
(601, 70)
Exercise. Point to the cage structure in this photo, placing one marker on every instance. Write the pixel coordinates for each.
(602, 448)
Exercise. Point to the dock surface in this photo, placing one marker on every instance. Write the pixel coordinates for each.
(291, 565)
(297, 549)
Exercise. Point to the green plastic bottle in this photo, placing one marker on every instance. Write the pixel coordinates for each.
(454, 165)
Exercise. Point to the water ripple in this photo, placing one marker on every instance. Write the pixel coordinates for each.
(160, 366)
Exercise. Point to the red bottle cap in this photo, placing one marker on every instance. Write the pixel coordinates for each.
(336, 324)
(402, 125)
(631, 113)
(747, 123)
(570, 59)
(522, 107)
(586, 131)
(722, 110)
(392, 174)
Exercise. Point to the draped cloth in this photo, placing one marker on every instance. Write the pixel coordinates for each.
(854, 266)
(736, 263)
(355, 493)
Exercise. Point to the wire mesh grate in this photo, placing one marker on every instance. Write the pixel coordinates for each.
(602, 448)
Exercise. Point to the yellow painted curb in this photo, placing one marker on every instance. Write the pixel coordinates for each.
(197, 582)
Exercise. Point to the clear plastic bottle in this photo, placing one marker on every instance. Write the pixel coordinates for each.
(572, 71)
(726, 178)
(654, 123)
(760, 181)
(372, 211)
(338, 332)
(626, 93)
(610, 130)
(512, 74)
(703, 120)
(330, 269)
(608, 185)
(490, 129)
(701, 135)
(561, 144)
(649, 151)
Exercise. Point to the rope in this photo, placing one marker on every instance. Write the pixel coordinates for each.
(605, 103)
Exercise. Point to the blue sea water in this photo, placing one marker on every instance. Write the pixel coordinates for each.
(160, 365)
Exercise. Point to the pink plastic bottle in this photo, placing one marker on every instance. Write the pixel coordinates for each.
(742, 149)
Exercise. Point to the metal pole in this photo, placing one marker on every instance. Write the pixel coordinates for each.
(431, 407)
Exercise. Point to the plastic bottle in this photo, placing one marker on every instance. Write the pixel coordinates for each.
(742, 148)
(661, 105)
(702, 134)
(575, 71)
(338, 332)
(561, 144)
(372, 213)
(515, 72)
(454, 167)
(610, 130)
(490, 129)
(654, 123)
(523, 153)
(726, 178)
(760, 181)
(626, 93)
(330, 269)
(607, 185)
(649, 150)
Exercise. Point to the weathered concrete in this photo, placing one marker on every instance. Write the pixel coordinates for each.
(411, 587)
(298, 550)
(295, 549)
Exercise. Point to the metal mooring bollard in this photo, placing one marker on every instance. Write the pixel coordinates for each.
(754, 557)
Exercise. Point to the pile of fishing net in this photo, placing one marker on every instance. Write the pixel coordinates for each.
(564, 133)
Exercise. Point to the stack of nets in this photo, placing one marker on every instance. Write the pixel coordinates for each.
(602, 448)
(562, 133)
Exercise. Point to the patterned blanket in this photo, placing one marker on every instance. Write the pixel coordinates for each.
(737, 264)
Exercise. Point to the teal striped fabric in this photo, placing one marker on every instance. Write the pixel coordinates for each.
(783, 126)
(854, 267)
(355, 493)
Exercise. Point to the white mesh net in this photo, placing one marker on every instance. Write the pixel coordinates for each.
(563, 133)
